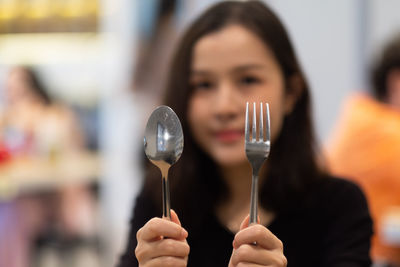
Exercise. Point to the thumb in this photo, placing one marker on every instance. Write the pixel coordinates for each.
(175, 218)
(245, 222)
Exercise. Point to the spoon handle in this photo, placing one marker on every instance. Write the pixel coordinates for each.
(165, 196)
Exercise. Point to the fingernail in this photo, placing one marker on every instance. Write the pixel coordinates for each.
(234, 244)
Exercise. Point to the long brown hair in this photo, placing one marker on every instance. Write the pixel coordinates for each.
(196, 186)
(33, 82)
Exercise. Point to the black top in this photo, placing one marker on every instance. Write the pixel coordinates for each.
(331, 227)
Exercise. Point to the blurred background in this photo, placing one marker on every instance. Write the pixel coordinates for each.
(78, 79)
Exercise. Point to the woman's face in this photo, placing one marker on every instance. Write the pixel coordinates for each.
(17, 87)
(229, 68)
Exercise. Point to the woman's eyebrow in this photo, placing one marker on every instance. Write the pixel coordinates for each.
(248, 66)
(235, 69)
(200, 73)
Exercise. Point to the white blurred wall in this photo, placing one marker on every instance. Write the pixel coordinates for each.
(120, 120)
(335, 41)
(383, 21)
(327, 39)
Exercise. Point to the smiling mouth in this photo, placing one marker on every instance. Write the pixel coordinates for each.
(229, 136)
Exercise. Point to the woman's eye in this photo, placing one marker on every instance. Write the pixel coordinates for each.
(202, 85)
(249, 80)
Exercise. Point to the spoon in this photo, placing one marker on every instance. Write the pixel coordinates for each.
(163, 145)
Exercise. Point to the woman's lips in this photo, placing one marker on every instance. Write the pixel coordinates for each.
(229, 136)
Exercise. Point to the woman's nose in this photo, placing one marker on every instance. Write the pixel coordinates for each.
(226, 102)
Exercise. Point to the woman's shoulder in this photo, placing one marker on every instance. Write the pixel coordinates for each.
(330, 185)
(334, 205)
(335, 194)
(328, 196)
(144, 201)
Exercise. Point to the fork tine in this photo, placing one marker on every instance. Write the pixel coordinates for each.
(268, 132)
(260, 133)
(247, 124)
(254, 128)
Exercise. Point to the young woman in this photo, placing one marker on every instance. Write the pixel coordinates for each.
(237, 52)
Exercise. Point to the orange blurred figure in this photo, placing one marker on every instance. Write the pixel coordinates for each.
(366, 147)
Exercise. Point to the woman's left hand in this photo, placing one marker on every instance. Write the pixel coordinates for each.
(255, 245)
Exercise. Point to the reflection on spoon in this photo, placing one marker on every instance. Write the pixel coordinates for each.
(163, 146)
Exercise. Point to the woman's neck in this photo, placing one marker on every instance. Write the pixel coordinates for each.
(238, 180)
(232, 210)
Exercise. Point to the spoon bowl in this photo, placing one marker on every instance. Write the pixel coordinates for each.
(163, 146)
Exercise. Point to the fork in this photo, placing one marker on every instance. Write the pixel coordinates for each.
(257, 151)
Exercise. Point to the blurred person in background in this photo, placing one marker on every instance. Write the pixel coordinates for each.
(365, 147)
(239, 51)
(31, 122)
(32, 125)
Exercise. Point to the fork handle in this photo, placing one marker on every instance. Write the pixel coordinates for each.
(254, 200)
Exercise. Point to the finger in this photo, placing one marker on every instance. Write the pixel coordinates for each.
(257, 255)
(160, 248)
(175, 218)
(171, 247)
(157, 227)
(167, 261)
(242, 254)
(257, 234)
(245, 222)
(244, 264)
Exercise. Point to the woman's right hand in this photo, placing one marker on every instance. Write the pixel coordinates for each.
(161, 242)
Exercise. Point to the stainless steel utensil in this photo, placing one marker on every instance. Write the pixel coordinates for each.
(163, 145)
(257, 151)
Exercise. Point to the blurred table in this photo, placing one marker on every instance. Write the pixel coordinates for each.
(34, 174)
